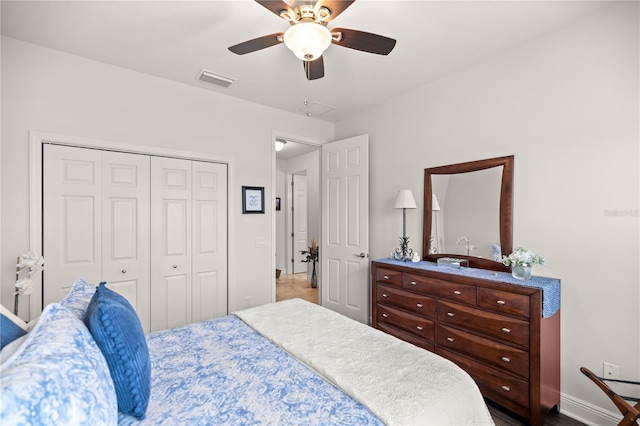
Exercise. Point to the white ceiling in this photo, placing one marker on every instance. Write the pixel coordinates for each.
(176, 39)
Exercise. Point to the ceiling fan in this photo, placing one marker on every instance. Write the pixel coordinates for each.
(308, 36)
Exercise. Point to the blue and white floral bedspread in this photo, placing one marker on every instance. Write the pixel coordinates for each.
(221, 371)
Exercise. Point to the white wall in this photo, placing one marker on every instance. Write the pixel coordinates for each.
(49, 91)
(567, 106)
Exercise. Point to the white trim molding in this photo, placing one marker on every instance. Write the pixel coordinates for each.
(587, 413)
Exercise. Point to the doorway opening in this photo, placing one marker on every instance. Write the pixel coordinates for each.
(297, 185)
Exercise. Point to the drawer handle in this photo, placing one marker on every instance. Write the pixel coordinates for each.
(505, 359)
(505, 388)
(458, 292)
(419, 305)
(450, 314)
(506, 330)
(450, 339)
(419, 328)
(124, 271)
(175, 266)
(384, 295)
(386, 277)
(385, 315)
(501, 302)
(413, 283)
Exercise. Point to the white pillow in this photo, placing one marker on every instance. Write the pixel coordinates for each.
(11, 348)
(79, 297)
(57, 376)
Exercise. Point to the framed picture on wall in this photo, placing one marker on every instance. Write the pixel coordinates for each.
(278, 203)
(253, 199)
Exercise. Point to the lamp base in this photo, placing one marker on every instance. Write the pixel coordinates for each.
(404, 253)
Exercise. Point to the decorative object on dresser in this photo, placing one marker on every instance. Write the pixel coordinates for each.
(475, 200)
(521, 262)
(404, 201)
(504, 332)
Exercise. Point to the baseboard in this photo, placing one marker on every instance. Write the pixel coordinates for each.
(587, 413)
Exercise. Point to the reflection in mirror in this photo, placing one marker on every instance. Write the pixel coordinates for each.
(468, 212)
(468, 222)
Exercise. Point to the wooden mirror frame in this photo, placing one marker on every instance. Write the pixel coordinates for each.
(506, 209)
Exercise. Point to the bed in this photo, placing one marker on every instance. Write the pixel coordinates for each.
(290, 362)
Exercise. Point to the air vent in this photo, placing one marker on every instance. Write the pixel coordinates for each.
(218, 80)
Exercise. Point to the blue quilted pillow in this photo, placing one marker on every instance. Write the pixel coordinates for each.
(11, 327)
(57, 376)
(116, 329)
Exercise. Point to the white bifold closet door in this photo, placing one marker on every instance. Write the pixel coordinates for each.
(96, 223)
(154, 228)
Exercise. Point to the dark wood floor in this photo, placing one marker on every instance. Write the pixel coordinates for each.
(297, 286)
(502, 417)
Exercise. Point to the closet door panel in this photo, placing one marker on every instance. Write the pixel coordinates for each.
(126, 229)
(71, 218)
(209, 258)
(170, 242)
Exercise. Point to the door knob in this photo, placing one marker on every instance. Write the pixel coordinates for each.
(361, 255)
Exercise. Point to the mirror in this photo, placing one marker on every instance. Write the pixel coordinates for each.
(470, 216)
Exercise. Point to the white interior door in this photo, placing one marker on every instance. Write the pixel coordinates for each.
(71, 218)
(300, 238)
(170, 243)
(344, 253)
(209, 259)
(126, 229)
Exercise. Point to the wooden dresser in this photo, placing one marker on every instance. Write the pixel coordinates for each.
(484, 321)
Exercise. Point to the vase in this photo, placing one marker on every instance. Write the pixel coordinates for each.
(521, 272)
(314, 277)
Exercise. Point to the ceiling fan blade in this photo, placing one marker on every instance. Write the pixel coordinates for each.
(257, 44)
(336, 7)
(366, 42)
(314, 69)
(275, 6)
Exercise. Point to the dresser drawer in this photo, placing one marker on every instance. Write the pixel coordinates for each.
(509, 329)
(485, 350)
(389, 276)
(504, 302)
(500, 387)
(421, 305)
(445, 289)
(407, 337)
(410, 323)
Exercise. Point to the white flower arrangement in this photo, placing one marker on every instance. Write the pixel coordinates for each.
(522, 256)
(24, 286)
(467, 244)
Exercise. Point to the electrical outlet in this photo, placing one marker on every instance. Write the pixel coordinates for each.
(609, 371)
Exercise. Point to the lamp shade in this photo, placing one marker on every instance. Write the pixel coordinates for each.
(405, 200)
(435, 207)
(307, 40)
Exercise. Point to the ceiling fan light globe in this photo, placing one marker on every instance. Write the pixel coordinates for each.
(307, 40)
